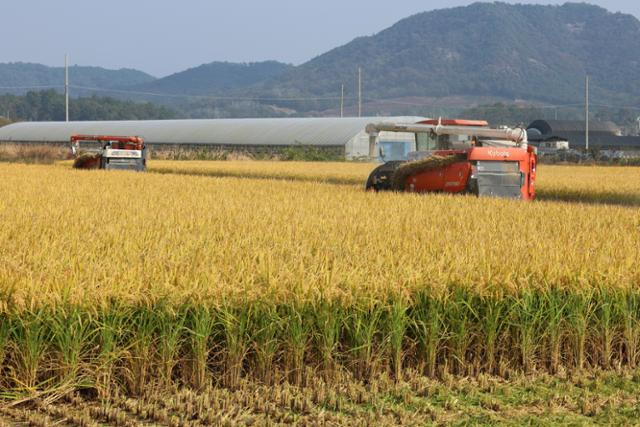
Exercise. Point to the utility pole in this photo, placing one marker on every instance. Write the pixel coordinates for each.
(359, 91)
(342, 101)
(66, 87)
(586, 113)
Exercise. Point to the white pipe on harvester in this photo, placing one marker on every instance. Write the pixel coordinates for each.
(373, 138)
(517, 135)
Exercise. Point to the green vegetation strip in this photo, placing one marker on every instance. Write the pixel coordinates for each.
(460, 333)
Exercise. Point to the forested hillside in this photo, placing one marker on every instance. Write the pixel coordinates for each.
(530, 52)
(216, 77)
(49, 105)
(26, 76)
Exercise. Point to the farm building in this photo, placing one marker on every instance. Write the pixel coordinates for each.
(602, 135)
(344, 136)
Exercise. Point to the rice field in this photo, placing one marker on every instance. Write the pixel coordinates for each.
(208, 276)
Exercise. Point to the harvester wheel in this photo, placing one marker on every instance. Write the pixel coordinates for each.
(380, 178)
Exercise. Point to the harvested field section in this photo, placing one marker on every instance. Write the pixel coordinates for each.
(335, 173)
(603, 398)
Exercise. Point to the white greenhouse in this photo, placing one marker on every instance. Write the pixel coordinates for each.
(341, 135)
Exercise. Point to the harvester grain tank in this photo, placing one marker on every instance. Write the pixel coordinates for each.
(109, 152)
(458, 156)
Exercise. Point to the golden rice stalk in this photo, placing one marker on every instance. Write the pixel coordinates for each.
(188, 237)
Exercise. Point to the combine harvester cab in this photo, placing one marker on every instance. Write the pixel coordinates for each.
(109, 152)
(504, 172)
(458, 156)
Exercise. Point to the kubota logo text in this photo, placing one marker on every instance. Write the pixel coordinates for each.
(494, 153)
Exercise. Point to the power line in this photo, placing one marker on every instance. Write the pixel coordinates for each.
(484, 107)
(318, 98)
(213, 97)
(174, 95)
(586, 113)
(342, 101)
(359, 91)
(621, 107)
(32, 87)
(66, 87)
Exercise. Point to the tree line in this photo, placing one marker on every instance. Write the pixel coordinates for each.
(49, 105)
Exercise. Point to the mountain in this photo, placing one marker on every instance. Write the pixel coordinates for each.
(433, 62)
(215, 78)
(32, 76)
(530, 52)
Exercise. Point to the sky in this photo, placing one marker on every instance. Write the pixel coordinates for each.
(162, 37)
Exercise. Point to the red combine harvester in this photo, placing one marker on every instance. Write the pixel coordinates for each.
(457, 156)
(109, 152)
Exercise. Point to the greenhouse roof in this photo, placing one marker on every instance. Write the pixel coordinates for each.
(268, 131)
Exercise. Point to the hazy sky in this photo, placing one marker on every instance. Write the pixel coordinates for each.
(162, 37)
